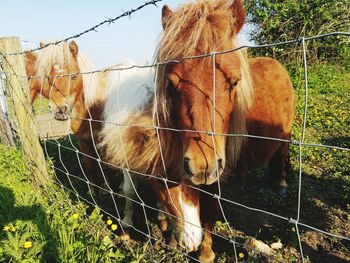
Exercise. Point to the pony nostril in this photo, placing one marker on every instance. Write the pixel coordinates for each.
(220, 163)
(63, 109)
(187, 166)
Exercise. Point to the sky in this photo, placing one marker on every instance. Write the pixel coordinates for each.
(129, 38)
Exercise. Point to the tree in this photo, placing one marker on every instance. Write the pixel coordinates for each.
(277, 21)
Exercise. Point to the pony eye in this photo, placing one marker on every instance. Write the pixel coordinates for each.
(173, 81)
(73, 77)
(233, 85)
(170, 85)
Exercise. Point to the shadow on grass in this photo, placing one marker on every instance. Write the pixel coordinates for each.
(10, 213)
(340, 141)
(323, 205)
(318, 197)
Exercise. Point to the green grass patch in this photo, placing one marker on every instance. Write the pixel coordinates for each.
(47, 226)
(41, 105)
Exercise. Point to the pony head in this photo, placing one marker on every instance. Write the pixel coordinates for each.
(201, 95)
(61, 64)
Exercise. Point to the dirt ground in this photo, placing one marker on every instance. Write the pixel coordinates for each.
(51, 128)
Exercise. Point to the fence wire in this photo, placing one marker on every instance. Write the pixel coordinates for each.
(72, 181)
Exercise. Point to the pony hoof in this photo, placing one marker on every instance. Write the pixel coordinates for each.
(172, 241)
(126, 235)
(207, 256)
(163, 225)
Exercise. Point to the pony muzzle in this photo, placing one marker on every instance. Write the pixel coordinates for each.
(204, 173)
(61, 113)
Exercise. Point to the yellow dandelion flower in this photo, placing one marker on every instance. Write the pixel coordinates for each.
(6, 228)
(75, 216)
(241, 255)
(114, 227)
(28, 244)
(109, 222)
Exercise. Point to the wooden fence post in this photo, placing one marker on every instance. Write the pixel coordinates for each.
(20, 107)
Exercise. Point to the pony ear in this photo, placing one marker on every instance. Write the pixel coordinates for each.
(166, 14)
(31, 56)
(73, 48)
(238, 12)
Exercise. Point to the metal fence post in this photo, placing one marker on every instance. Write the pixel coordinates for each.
(6, 135)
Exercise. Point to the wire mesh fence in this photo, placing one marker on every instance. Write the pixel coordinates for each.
(72, 128)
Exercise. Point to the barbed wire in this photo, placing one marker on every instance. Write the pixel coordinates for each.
(154, 65)
(91, 29)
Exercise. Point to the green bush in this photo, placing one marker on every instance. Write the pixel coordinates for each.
(277, 21)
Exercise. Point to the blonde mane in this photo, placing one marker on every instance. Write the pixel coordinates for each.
(201, 28)
(60, 55)
(90, 81)
(204, 26)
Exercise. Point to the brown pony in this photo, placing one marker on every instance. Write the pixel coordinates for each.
(221, 94)
(204, 100)
(55, 74)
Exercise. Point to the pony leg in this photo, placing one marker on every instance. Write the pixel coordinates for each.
(209, 213)
(162, 219)
(129, 182)
(91, 165)
(207, 254)
(278, 168)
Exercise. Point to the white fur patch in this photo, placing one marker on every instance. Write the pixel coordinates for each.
(57, 68)
(127, 92)
(192, 234)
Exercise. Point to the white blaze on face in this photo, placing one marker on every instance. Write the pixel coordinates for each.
(190, 237)
(57, 68)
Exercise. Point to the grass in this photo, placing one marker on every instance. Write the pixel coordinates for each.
(61, 229)
(47, 226)
(41, 105)
(51, 226)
